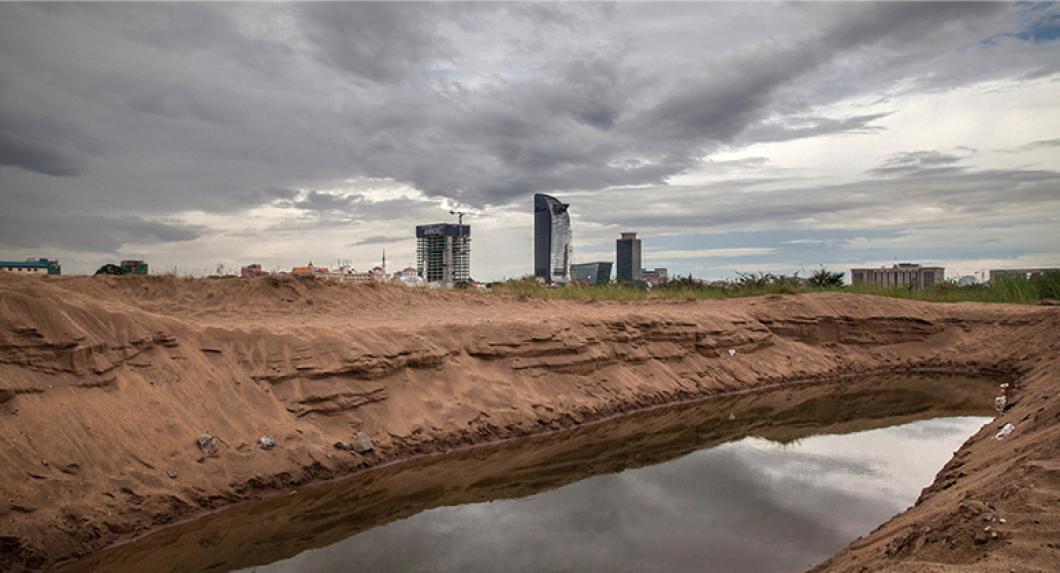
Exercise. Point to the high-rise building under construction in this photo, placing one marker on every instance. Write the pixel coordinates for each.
(443, 252)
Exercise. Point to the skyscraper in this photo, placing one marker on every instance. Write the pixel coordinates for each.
(552, 239)
(443, 252)
(627, 258)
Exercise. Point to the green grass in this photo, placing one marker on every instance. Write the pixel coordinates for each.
(1012, 291)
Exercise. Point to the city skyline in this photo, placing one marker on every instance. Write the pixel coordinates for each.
(737, 137)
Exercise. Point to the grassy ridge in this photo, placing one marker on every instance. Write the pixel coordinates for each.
(1013, 291)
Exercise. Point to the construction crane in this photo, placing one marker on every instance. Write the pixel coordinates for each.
(459, 231)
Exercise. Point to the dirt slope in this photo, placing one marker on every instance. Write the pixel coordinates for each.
(106, 384)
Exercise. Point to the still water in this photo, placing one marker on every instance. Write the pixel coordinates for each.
(776, 480)
(752, 505)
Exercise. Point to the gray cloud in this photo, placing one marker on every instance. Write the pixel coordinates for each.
(917, 162)
(87, 233)
(44, 144)
(317, 201)
(1034, 145)
(376, 41)
(221, 108)
(801, 127)
(966, 197)
(377, 240)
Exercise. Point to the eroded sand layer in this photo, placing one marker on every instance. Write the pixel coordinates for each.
(106, 384)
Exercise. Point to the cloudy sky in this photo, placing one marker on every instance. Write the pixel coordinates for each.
(732, 137)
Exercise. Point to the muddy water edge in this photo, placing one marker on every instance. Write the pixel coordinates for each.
(281, 526)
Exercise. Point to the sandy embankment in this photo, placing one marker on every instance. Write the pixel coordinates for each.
(105, 385)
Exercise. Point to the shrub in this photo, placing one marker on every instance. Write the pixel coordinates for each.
(826, 278)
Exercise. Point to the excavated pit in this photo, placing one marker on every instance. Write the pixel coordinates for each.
(267, 531)
(106, 385)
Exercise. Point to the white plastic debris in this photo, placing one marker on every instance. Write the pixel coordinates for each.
(361, 443)
(267, 442)
(1000, 402)
(1004, 431)
(208, 444)
(732, 352)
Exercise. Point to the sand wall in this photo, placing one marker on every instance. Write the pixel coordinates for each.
(106, 385)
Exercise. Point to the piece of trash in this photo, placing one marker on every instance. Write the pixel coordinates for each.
(362, 443)
(732, 352)
(732, 416)
(208, 444)
(266, 442)
(1004, 431)
(1000, 402)
(1002, 520)
(171, 474)
(1004, 385)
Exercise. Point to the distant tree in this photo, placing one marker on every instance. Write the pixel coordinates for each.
(110, 269)
(768, 281)
(826, 278)
(1048, 284)
(682, 282)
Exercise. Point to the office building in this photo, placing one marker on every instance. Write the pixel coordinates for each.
(597, 273)
(443, 252)
(627, 258)
(1022, 274)
(553, 253)
(655, 277)
(901, 275)
(31, 267)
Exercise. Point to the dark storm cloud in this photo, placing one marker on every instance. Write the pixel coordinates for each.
(584, 118)
(159, 109)
(87, 233)
(583, 122)
(376, 41)
(43, 144)
(175, 101)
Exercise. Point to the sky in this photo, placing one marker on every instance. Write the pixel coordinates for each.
(732, 137)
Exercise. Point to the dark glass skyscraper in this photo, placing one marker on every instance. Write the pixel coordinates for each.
(552, 239)
(627, 258)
